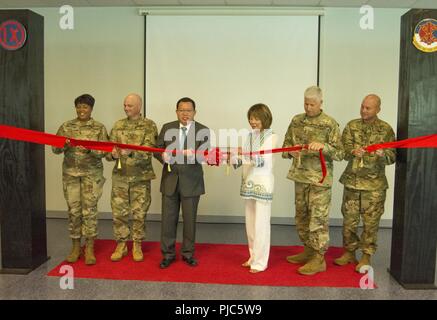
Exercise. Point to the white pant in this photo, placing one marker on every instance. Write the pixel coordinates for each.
(258, 233)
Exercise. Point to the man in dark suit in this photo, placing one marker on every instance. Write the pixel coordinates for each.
(182, 179)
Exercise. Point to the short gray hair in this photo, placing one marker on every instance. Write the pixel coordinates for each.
(314, 92)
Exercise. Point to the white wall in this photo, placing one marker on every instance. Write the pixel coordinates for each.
(103, 56)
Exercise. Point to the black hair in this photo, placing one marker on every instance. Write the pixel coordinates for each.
(85, 99)
(186, 99)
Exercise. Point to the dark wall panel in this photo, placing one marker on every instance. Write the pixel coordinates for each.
(22, 165)
(414, 238)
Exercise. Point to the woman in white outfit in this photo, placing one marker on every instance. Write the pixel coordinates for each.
(257, 186)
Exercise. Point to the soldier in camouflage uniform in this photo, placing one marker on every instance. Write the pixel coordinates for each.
(364, 181)
(312, 199)
(82, 177)
(131, 177)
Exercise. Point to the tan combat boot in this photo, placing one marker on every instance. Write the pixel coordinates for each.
(89, 252)
(315, 265)
(365, 261)
(347, 257)
(302, 257)
(75, 251)
(120, 252)
(137, 253)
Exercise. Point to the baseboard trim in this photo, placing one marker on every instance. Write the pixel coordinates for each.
(334, 222)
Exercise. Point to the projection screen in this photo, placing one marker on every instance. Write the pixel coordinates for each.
(227, 64)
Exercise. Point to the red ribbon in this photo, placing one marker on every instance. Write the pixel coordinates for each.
(19, 134)
(429, 141)
(213, 156)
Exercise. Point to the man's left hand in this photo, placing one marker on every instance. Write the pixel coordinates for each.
(380, 152)
(125, 152)
(315, 146)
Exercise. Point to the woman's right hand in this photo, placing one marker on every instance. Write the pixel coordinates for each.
(165, 157)
(115, 153)
(359, 152)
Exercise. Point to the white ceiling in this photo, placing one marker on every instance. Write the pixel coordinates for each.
(425, 4)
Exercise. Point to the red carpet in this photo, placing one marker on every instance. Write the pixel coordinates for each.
(218, 264)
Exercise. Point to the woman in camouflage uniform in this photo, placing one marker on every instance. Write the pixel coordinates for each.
(82, 177)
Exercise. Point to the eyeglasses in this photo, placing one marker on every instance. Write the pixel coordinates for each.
(185, 111)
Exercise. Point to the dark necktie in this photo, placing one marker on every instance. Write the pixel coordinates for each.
(184, 136)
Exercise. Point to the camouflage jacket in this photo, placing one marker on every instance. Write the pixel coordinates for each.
(368, 173)
(304, 130)
(78, 161)
(138, 165)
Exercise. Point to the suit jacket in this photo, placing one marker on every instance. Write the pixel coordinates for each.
(189, 175)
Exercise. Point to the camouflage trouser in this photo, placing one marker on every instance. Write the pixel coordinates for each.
(312, 215)
(370, 206)
(130, 197)
(82, 195)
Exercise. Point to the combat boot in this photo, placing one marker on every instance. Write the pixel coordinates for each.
(347, 257)
(365, 261)
(120, 251)
(75, 251)
(137, 253)
(315, 265)
(302, 257)
(89, 252)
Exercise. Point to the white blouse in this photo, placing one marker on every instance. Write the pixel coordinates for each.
(257, 178)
